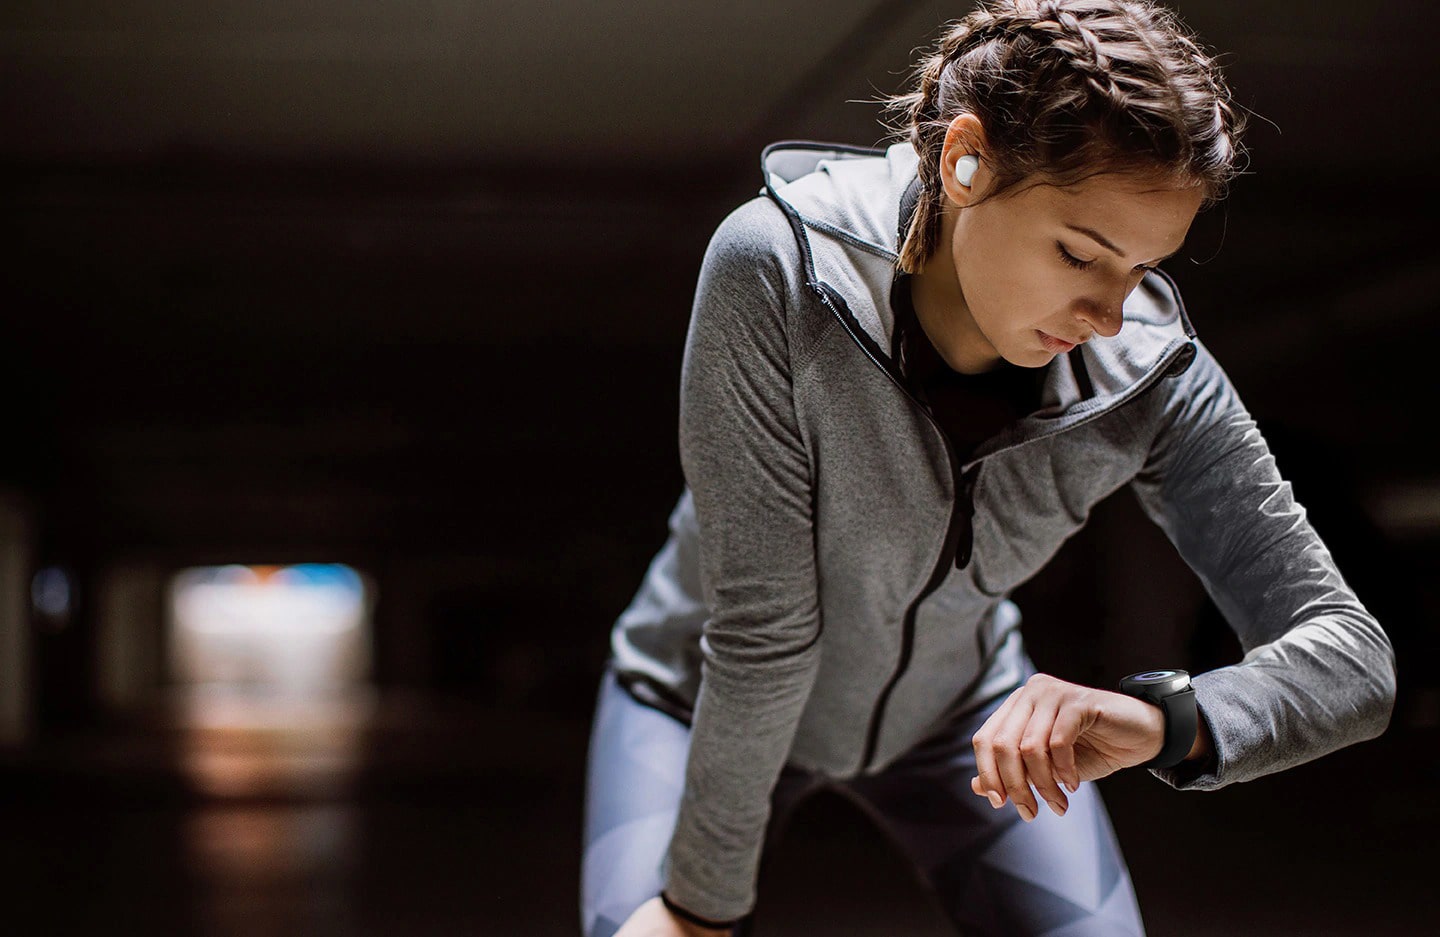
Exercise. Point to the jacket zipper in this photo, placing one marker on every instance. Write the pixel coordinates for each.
(948, 554)
(964, 485)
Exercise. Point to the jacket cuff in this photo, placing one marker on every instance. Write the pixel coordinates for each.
(694, 918)
(1202, 774)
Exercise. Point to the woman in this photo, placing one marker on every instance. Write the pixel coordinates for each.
(909, 375)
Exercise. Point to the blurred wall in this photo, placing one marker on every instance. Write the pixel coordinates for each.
(405, 286)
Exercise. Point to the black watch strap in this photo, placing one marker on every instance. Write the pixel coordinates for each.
(1172, 692)
(1181, 721)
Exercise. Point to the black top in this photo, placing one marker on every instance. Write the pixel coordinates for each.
(970, 408)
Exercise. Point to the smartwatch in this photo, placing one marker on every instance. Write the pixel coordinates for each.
(1171, 691)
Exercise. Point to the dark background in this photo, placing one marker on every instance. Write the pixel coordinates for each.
(405, 286)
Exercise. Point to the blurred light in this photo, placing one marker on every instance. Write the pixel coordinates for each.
(234, 599)
(51, 595)
(1407, 510)
(292, 629)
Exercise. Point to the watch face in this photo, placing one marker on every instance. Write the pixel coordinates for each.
(1158, 682)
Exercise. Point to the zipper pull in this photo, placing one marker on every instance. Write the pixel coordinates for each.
(965, 547)
(967, 486)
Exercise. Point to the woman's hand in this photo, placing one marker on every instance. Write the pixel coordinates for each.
(653, 919)
(1050, 731)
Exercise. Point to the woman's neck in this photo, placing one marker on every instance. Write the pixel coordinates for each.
(944, 316)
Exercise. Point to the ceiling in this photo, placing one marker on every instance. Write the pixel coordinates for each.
(638, 84)
(376, 226)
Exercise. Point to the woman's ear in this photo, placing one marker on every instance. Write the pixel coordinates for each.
(962, 178)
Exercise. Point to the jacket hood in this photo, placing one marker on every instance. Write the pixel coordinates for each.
(844, 203)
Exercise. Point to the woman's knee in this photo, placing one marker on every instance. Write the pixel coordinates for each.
(635, 779)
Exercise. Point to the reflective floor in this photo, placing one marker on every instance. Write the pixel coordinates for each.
(229, 816)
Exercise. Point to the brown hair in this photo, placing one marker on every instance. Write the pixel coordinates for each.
(1066, 89)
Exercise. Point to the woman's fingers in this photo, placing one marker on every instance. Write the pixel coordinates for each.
(997, 753)
(1010, 763)
(1035, 751)
(988, 782)
(1069, 724)
(1029, 740)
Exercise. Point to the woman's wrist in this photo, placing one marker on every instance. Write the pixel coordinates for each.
(1204, 744)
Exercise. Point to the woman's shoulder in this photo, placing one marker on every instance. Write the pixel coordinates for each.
(754, 251)
(756, 232)
(753, 280)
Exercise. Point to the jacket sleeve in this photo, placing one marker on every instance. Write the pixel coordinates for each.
(749, 472)
(1318, 671)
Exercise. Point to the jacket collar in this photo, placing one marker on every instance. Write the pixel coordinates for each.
(844, 206)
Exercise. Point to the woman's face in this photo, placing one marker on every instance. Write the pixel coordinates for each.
(1027, 276)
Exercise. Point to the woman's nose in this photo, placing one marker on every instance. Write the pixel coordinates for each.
(1104, 318)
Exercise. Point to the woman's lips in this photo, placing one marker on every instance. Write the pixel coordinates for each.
(1053, 344)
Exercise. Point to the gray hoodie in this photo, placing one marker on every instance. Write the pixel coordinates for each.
(814, 602)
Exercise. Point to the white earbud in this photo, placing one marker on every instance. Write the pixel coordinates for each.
(965, 168)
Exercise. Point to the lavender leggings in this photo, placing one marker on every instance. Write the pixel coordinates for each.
(993, 873)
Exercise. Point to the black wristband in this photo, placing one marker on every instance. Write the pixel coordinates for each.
(694, 918)
(1171, 691)
(1181, 723)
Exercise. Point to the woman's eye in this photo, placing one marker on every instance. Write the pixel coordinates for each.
(1071, 259)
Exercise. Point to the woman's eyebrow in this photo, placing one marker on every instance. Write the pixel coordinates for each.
(1098, 238)
(1104, 242)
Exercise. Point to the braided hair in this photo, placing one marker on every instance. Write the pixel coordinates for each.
(1066, 89)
